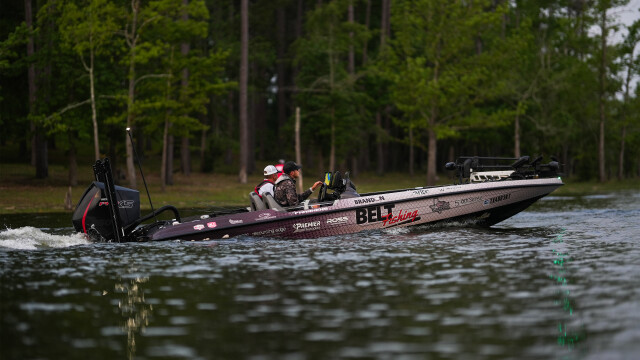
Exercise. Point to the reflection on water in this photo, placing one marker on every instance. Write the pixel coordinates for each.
(134, 310)
(567, 337)
(557, 281)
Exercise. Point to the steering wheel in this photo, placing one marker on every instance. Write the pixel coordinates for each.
(323, 192)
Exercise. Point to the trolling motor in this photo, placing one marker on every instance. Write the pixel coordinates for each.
(480, 169)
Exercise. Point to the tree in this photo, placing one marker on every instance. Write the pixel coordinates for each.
(602, 9)
(243, 83)
(632, 64)
(87, 30)
(435, 68)
(328, 94)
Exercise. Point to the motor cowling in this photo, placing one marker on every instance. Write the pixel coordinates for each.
(92, 215)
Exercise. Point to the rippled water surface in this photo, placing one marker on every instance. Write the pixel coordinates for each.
(560, 280)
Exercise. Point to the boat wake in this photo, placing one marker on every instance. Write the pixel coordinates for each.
(30, 238)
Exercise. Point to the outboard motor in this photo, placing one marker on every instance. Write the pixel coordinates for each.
(93, 215)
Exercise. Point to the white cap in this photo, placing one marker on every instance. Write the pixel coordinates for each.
(270, 170)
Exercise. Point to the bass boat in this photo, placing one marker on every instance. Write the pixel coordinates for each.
(485, 192)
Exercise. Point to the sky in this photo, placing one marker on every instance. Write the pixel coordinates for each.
(626, 15)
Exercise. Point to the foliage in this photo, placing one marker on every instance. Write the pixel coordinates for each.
(466, 71)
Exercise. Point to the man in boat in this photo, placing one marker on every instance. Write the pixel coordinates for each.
(285, 189)
(266, 186)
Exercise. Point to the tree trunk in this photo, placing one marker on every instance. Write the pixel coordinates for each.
(203, 145)
(281, 66)
(185, 153)
(516, 141)
(411, 153)
(131, 171)
(298, 146)
(244, 76)
(601, 97)
(380, 164)
(351, 66)
(165, 143)
(94, 113)
(431, 157)
(38, 140)
(385, 22)
(73, 163)
(31, 76)
(332, 152)
(367, 21)
(621, 156)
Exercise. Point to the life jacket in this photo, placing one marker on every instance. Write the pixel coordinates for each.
(260, 185)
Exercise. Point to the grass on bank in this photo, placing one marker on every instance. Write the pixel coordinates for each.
(21, 192)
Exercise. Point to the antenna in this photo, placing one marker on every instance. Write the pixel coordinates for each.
(135, 153)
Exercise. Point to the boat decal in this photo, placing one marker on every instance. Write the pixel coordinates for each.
(122, 204)
(265, 216)
(338, 221)
(231, 221)
(308, 211)
(306, 226)
(212, 224)
(372, 214)
(439, 206)
(496, 199)
(401, 218)
(125, 204)
(269, 231)
(467, 201)
(198, 227)
(368, 200)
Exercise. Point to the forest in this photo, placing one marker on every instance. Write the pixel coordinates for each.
(380, 85)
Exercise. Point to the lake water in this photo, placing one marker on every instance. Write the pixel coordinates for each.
(558, 281)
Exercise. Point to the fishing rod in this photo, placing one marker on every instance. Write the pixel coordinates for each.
(135, 153)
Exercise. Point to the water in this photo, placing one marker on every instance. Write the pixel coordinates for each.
(559, 281)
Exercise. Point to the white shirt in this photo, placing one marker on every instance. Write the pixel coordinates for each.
(266, 188)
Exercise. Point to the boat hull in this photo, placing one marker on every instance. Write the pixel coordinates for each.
(482, 204)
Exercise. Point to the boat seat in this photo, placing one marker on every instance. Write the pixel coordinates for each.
(256, 202)
(271, 202)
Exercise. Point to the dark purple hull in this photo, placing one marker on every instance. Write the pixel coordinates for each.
(483, 204)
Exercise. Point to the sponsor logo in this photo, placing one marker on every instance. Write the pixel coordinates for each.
(269, 232)
(308, 211)
(212, 224)
(265, 216)
(496, 199)
(363, 201)
(440, 206)
(373, 214)
(467, 201)
(401, 218)
(198, 227)
(125, 204)
(308, 226)
(338, 221)
(122, 204)
(231, 221)
(368, 200)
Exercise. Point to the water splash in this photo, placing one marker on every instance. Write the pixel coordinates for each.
(31, 238)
